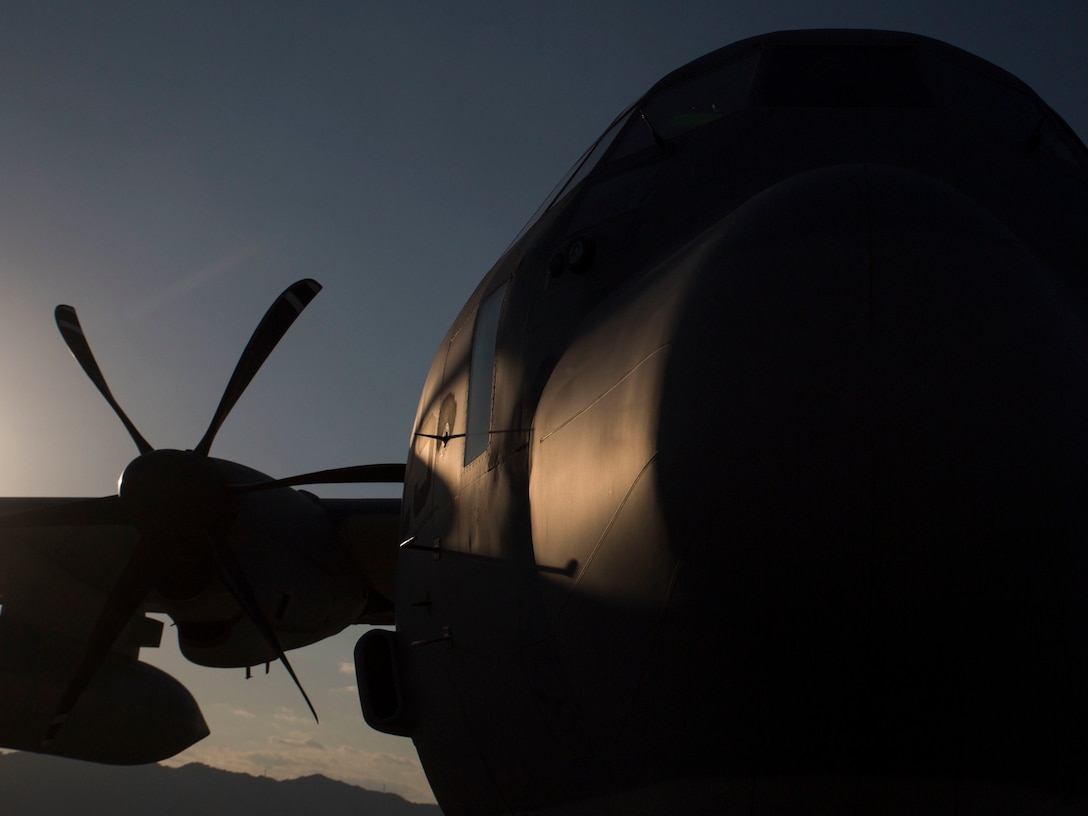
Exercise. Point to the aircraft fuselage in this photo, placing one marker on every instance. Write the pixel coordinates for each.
(757, 461)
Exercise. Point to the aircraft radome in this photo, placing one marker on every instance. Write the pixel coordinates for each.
(752, 478)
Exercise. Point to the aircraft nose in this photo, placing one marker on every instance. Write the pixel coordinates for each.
(977, 358)
(884, 394)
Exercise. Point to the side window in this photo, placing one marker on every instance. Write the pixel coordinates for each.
(689, 104)
(581, 168)
(481, 374)
(1000, 110)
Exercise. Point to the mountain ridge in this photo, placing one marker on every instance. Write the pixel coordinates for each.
(34, 785)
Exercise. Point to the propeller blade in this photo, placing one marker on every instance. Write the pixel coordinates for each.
(122, 605)
(234, 579)
(275, 323)
(356, 474)
(72, 332)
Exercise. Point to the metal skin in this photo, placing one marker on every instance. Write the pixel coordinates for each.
(782, 507)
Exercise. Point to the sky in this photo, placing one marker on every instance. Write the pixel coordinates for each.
(169, 168)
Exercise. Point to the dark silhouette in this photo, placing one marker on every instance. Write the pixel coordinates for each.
(35, 785)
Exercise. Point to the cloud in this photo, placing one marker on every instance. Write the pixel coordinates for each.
(347, 668)
(241, 712)
(288, 715)
(192, 281)
(352, 689)
(297, 743)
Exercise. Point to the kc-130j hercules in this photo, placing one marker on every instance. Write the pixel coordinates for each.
(753, 477)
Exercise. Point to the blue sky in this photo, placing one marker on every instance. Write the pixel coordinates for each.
(168, 168)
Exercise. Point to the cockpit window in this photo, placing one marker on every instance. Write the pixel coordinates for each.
(671, 111)
(819, 76)
(970, 95)
(689, 104)
(586, 162)
(999, 109)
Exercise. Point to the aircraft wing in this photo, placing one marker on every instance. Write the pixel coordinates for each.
(273, 569)
(61, 692)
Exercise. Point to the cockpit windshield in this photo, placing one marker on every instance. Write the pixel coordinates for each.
(690, 103)
(586, 162)
(832, 75)
(669, 112)
(841, 76)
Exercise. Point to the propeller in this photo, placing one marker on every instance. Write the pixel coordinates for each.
(68, 322)
(179, 501)
(273, 326)
(355, 474)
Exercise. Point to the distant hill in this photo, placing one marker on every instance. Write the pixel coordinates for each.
(33, 785)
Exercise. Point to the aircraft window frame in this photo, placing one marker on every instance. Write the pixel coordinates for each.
(481, 374)
(1072, 140)
(580, 169)
(735, 79)
(1003, 107)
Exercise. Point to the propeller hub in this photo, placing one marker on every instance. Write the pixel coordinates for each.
(173, 491)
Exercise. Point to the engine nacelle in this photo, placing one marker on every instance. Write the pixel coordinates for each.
(129, 714)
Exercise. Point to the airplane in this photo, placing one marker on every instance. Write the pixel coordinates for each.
(752, 477)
